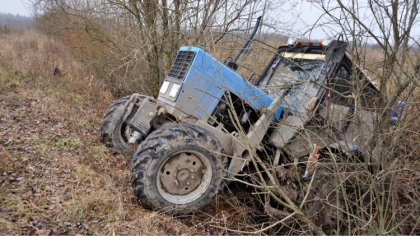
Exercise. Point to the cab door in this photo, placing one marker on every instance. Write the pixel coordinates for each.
(337, 106)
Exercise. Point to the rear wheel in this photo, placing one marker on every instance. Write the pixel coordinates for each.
(178, 169)
(114, 132)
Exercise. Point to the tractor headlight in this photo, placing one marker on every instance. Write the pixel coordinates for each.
(164, 87)
(174, 90)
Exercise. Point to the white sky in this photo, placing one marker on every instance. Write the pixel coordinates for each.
(297, 15)
(16, 7)
(294, 18)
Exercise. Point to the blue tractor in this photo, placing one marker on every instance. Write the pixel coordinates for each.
(208, 121)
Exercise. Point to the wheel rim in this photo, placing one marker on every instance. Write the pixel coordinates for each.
(184, 177)
(124, 134)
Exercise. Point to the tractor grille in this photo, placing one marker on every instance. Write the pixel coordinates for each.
(181, 64)
(144, 115)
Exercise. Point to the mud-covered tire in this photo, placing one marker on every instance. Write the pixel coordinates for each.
(112, 129)
(162, 145)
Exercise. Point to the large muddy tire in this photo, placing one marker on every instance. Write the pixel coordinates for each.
(178, 169)
(113, 129)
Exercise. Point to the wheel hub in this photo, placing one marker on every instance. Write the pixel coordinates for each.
(182, 173)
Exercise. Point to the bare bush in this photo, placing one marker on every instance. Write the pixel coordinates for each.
(373, 189)
(131, 44)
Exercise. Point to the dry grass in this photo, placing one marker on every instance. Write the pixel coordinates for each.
(55, 177)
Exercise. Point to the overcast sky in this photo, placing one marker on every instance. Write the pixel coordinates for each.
(295, 17)
(17, 7)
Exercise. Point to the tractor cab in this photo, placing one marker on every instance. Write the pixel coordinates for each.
(319, 82)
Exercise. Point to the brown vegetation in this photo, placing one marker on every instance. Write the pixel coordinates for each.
(56, 177)
(131, 44)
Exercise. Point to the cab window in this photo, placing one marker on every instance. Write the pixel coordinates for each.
(340, 87)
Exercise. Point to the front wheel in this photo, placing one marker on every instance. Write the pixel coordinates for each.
(113, 130)
(178, 169)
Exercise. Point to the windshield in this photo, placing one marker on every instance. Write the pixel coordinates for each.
(295, 79)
